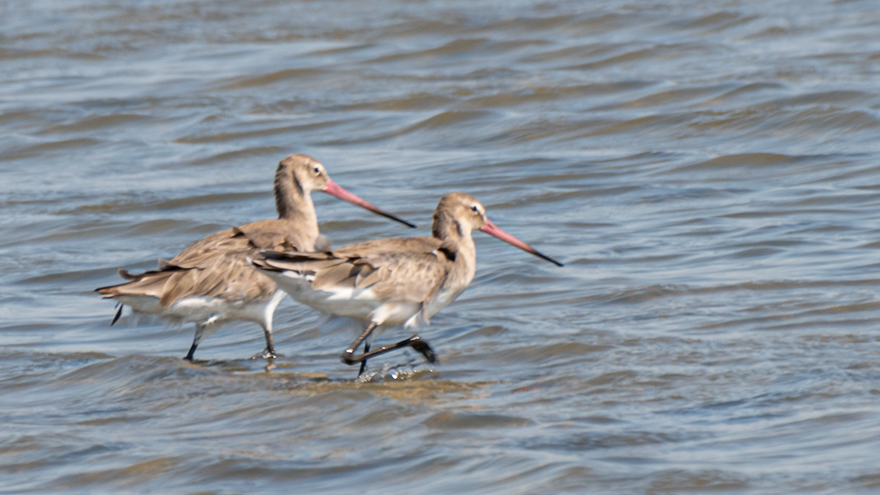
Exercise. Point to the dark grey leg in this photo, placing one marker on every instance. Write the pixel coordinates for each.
(269, 352)
(415, 342)
(118, 314)
(192, 350)
(200, 334)
(348, 356)
(364, 362)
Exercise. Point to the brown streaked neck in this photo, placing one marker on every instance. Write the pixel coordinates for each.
(456, 237)
(294, 203)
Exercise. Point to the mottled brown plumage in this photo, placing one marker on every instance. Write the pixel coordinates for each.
(216, 266)
(389, 282)
(212, 281)
(407, 269)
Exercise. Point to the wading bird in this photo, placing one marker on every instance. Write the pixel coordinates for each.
(389, 282)
(212, 281)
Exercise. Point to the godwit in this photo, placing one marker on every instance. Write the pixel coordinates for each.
(389, 282)
(212, 282)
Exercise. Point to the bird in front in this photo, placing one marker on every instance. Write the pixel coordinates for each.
(389, 282)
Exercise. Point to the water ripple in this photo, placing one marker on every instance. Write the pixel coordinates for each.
(707, 173)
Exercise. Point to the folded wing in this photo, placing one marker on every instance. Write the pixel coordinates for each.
(407, 270)
(216, 266)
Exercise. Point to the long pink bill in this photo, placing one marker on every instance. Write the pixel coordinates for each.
(493, 230)
(337, 191)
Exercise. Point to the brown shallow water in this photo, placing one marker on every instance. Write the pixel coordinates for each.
(708, 171)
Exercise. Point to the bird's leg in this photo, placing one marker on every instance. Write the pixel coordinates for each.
(415, 342)
(200, 332)
(269, 312)
(423, 348)
(269, 351)
(364, 362)
(118, 314)
(192, 350)
(348, 356)
(203, 331)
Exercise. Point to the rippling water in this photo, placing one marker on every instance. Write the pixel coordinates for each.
(708, 171)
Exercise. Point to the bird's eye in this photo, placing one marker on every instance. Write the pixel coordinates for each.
(475, 208)
(316, 170)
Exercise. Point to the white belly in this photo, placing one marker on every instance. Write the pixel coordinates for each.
(444, 298)
(361, 304)
(199, 309)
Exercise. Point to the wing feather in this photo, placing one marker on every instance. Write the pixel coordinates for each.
(407, 270)
(216, 266)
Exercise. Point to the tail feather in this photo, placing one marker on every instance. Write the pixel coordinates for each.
(228, 278)
(146, 283)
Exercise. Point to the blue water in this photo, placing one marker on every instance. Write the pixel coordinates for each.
(709, 172)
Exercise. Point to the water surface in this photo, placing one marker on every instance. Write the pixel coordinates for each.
(708, 171)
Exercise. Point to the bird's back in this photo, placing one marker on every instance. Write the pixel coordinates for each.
(216, 266)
